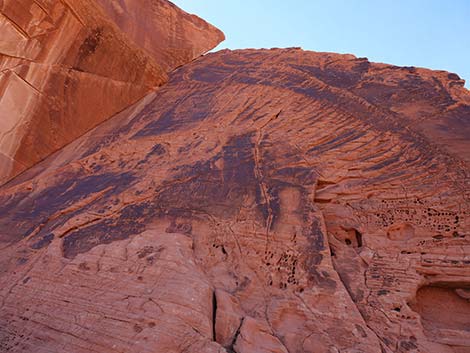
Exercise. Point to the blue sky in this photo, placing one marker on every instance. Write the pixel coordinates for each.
(425, 33)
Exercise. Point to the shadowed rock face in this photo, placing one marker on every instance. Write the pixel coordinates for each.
(261, 201)
(66, 66)
(444, 314)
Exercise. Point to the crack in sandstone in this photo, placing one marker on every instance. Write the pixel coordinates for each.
(231, 348)
(16, 26)
(357, 307)
(333, 262)
(27, 83)
(21, 58)
(38, 4)
(214, 316)
(73, 12)
(359, 310)
(274, 334)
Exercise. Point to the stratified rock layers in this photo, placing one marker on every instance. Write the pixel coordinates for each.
(261, 201)
(66, 66)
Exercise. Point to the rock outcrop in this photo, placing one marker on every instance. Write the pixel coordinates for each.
(67, 65)
(261, 201)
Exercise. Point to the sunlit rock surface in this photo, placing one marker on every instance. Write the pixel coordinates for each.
(261, 201)
(66, 66)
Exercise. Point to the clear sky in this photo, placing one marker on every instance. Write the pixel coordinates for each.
(426, 33)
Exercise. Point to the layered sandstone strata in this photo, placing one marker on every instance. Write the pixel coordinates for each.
(66, 66)
(261, 201)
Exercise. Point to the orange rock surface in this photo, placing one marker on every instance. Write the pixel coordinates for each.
(66, 66)
(261, 201)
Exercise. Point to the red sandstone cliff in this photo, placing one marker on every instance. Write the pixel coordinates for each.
(67, 65)
(261, 201)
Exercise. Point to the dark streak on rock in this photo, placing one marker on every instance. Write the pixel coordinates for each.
(88, 47)
(313, 257)
(45, 241)
(132, 220)
(29, 214)
(198, 106)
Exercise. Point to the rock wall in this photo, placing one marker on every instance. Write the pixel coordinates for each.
(261, 201)
(66, 66)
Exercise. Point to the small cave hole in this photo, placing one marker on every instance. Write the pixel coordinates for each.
(358, 238)
(348, 241)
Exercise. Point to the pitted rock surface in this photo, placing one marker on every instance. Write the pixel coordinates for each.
(261, 201)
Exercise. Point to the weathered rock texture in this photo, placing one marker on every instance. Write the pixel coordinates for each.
(67, 65)
(261, 201)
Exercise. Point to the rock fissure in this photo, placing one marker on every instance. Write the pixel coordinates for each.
(235, 337)
(214, 316)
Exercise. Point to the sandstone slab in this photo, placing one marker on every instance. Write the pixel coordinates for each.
(273, 200)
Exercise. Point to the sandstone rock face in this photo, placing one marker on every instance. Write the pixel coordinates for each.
(261, 201)
(66, 66)
(170, 35)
